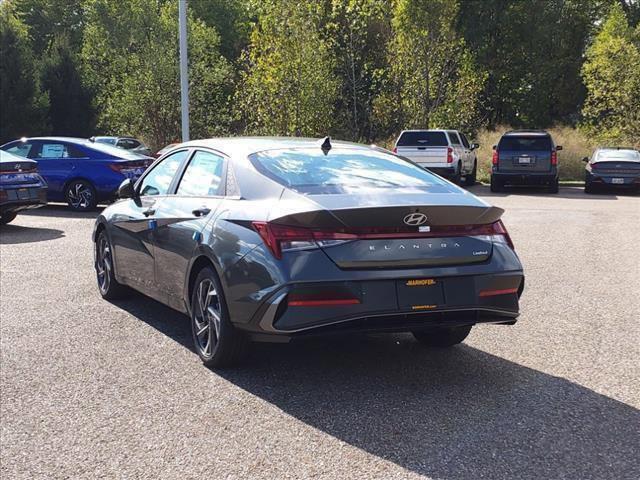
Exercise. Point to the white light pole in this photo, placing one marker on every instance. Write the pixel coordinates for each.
(184, 69)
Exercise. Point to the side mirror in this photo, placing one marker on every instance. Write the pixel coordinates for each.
(126, 189)
(475, 146)
(558, 148)
(585, 159)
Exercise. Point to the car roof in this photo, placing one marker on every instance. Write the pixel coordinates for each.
(245, 146)
(80, 141)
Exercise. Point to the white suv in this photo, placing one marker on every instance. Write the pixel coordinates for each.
(445, 152)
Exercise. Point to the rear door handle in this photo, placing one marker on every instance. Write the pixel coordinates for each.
(201, 212)
(148, 212)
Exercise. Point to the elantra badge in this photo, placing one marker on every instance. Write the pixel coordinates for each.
(415, 219)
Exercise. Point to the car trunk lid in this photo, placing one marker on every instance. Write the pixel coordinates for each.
(393, 230)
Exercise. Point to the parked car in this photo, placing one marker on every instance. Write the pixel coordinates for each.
(79, 172)
(276, 238)
(165, 149)
(445, 152)
(525, 157)
(127, 143)
(21, 187)
(612, 167)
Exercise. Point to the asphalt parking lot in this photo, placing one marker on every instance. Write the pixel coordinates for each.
(94, 389)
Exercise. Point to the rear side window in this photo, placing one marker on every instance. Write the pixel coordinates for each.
(525, 143)
(158, 180)
(453, 136)
(423, 139)
(127, 143)
(203, 175)
(344, 171)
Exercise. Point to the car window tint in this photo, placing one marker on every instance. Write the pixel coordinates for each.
(158, 180)
(21, 149)
(345, 171)
(453, 136)
(465, 142)
(422, 139)
(202, 176)
(618, 155)
(128, 143)
(59, 150)
(524, 143)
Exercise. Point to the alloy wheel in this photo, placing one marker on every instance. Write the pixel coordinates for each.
(207, 316)
(103, 264)
(80, 196)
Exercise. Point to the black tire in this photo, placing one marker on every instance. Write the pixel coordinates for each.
(442, 337)
(588, 187)
(554, 187)
(495, 185)
(218, 343)
(457, 176)
(471, 179)
(109, 287)
(80, 196)
(7, 217)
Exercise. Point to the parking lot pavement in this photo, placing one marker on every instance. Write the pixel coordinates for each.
(93, 389)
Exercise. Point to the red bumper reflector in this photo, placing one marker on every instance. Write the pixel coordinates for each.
(493, 293)
(324, 303)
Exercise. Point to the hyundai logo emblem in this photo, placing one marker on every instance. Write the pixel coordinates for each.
(415, 219)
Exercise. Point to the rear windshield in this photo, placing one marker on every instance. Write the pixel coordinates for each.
(422, 139)
(622, 155)
(115, 151)
(344, 171)
(525, 143)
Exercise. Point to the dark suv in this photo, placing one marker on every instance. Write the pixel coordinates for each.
(525, 157)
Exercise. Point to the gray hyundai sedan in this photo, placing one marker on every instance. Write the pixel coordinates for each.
(276, 238)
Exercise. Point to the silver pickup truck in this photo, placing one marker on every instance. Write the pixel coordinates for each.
(445, 152)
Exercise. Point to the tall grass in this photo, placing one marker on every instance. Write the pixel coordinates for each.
(575, 146)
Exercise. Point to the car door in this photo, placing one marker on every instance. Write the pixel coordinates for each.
(132, 235)
(182, 217)
(459, 149)
(55, 164)
(468, 153)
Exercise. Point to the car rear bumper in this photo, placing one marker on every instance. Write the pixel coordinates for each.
(23, 198)
(621, 181)
(525, 178)
(393, 305)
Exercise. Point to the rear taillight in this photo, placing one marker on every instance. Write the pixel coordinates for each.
(449, 155)
(122, 167)
(22, 170)
(280, 238)
(554, 157)
(495, 158)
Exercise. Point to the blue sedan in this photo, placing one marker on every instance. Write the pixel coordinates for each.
(79, 172)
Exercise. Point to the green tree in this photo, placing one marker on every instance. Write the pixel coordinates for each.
(611, 74)
(358, 29)
(289, 85)
(131, 57)
(50, 19)
(533, 52)
(70, 101)
(433, 79)
(22, 105)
